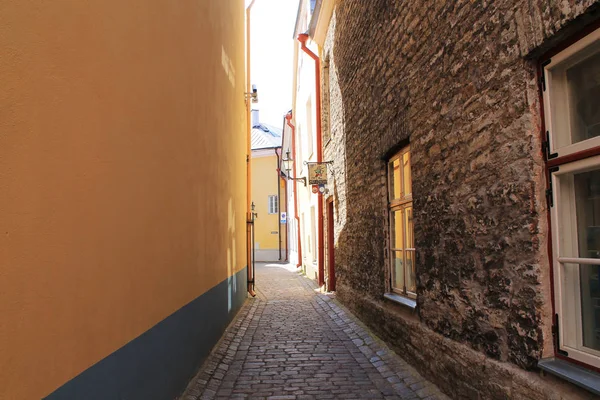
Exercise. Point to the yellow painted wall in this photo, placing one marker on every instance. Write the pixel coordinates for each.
(264, 184)
(122, 174)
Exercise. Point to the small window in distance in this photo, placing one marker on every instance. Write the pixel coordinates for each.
(313, 231)
(325, 109)
(303, 230)
(299, 145)
(273, 204)
(309, 125)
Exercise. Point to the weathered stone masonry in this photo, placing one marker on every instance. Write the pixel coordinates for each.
(456, 79)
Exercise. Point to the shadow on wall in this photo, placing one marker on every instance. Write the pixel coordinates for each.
(232, 288)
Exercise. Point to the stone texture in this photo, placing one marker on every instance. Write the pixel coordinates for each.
(456, 79)
(292, 342)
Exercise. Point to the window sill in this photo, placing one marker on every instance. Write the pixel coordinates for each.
(575, 374)
(405, 301)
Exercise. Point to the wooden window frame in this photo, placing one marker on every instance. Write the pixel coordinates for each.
(404, 202)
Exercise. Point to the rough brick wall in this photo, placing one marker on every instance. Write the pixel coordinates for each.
(458, 80)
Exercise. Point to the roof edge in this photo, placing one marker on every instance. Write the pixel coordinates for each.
(298, 17)
(314, 19)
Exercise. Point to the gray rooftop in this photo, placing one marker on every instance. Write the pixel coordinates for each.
(265, 136)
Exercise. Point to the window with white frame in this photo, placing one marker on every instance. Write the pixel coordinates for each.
(273, 204)
(309, 126)
(303, 230)
(313, 234)
(571, 94)
(299, 145)
(402, 248)
(325, 108)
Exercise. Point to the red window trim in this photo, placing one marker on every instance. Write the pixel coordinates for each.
(580, 155)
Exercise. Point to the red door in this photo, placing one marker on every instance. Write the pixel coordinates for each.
(330, 246)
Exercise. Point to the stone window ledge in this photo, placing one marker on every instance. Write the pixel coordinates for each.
(575, 374)
(405, 301)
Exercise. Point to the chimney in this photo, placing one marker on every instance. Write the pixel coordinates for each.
(255, 120)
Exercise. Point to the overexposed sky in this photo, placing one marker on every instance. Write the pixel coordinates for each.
(272, 49)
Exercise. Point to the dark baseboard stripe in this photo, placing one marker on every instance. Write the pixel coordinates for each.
(159, 363)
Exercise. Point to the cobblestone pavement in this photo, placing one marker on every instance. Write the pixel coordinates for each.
(292, 342)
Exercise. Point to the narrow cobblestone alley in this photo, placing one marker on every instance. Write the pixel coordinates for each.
(291, 342)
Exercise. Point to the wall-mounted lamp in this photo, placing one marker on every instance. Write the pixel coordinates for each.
(287, 165)
(253, 94)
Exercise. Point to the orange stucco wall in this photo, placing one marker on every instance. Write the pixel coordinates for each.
(122, 183)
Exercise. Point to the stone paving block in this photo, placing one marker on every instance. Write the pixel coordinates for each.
(425, 392)
(292, 342)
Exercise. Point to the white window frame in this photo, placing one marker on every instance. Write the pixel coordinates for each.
(313, 234)
(326, 107)
(273, 205)
(309, 126)
(567, 296)
(555, 99)
(299, 147)
(566, 274)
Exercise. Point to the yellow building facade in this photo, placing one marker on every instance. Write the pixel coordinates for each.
(268, 193)
(122, 193)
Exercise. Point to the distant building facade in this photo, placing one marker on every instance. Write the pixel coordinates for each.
(464, 144)
(304, 122)
(268, 193)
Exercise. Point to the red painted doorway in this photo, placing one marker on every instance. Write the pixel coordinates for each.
(330, 247)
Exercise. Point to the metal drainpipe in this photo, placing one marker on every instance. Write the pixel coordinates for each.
(287, 217)
(249, 216)
(302, 38)
(278, 201)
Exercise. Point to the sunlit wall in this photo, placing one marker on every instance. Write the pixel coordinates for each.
(122, 193)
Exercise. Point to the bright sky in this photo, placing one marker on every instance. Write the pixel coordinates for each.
(272, 47)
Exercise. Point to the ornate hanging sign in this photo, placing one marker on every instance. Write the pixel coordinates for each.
(317, 173)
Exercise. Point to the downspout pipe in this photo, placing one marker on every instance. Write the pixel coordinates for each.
(249, 218)
(302, 38)
(288, 118)
(287, 235)
(281, 181)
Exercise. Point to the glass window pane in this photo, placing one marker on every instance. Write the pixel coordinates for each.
(395, 180)
(398, 270)
(397, 230)
(583, 82)
(408, 230)
(411, 281)
(406, 172)
(587, 203)
(590, 305)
